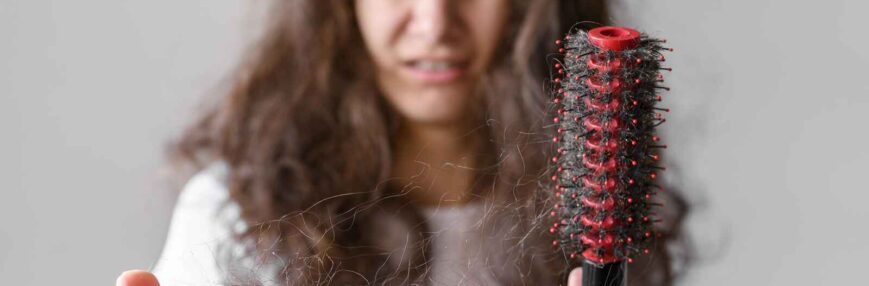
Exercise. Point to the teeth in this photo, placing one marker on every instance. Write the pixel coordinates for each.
(433, 65)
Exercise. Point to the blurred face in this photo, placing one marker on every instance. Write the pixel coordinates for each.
(430, 53)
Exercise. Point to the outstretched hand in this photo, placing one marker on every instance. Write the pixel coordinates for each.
(137, 278)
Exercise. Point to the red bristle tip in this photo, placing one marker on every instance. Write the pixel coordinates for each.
(558, 42)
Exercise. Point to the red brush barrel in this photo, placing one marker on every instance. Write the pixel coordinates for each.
(600, 241)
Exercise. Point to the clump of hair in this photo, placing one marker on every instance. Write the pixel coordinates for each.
(607, 157)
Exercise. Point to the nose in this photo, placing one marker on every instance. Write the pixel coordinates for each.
(431, 19)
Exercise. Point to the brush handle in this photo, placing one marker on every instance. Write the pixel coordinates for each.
(609, 274)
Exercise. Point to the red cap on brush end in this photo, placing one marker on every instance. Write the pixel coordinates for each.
(614, 38)
(606, 90)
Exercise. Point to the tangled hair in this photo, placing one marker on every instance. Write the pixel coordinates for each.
(303, 105)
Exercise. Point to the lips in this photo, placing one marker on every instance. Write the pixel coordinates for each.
(435, 71)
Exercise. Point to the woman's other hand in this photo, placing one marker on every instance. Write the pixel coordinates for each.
(574, 279)
(143, 278)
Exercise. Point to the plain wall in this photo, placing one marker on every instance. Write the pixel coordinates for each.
(764, 136)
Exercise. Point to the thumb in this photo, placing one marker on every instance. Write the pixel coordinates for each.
(137, 278)
(575, 277)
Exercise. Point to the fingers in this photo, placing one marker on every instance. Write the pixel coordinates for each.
(137, 278)
(575, 277)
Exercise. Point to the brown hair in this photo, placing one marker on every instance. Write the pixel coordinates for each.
(301, 108)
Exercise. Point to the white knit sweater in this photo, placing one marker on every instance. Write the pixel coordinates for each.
(203, 218)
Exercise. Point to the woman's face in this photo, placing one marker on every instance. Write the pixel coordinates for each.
(430, 53)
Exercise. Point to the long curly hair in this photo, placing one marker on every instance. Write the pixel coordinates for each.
(308, 141)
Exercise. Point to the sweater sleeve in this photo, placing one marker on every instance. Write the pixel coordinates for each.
(200, 226)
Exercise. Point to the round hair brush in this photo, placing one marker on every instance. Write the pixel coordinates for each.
(605, 92)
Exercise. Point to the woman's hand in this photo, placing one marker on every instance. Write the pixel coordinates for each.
(139, 278)
(575, 277)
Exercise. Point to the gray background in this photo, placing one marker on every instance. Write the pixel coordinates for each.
(764, 136)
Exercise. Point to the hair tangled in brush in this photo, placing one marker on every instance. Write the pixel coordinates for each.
(302, 107)
(607, 157)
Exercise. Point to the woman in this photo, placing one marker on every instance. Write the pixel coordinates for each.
(377, 142)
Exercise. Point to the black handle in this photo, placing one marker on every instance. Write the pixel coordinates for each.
(610, 274)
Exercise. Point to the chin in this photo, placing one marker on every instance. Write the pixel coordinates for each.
(433, 114)
(436, 106)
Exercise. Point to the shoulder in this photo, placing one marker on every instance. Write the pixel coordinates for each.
(205, 189)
